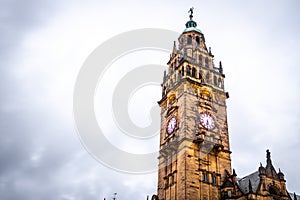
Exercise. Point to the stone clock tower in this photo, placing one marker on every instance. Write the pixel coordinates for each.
(194, 159)
(194, 145)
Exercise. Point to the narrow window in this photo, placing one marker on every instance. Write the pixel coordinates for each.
(182, 71)
(207, 78)
(189, 39)
(204, 177)
(220, 85)
(188, 70)
(194, 72)
(197, 39)
(206, 63)
(215, 81)
(214, 179)
(200, 74)
(200, 59)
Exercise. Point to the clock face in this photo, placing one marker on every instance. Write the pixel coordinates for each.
(207, 121)
(171, 125)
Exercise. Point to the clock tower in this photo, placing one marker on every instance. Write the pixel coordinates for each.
(194, 158)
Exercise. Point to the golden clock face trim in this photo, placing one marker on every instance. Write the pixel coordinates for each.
(172, 124)
(207, 121)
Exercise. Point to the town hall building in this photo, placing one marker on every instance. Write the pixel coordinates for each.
(194, 155)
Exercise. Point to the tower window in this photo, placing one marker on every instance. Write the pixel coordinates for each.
(182, 71)
(214, 179)
(207, 77)
(188, 70)
(204, 177)
(200, 58)
(197, 39)
(200, 75)
(189, 40)
(215, 80)
(194, 72)
(206, 62)
(220, 83)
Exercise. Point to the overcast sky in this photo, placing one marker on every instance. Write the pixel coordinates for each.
(44, 44)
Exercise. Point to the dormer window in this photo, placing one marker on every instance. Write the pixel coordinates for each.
(229, 193)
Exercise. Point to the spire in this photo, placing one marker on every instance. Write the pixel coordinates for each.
(270, 170)
(269, 161)
(220, 68)
(174, 48)
(233, 172)
(280, 175)
(262, 170)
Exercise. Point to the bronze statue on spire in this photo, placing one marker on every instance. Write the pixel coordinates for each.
(191, 11)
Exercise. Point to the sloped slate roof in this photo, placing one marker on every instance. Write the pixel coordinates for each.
(292, 196)
(243, 183)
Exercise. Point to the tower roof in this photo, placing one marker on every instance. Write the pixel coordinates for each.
(191, 25)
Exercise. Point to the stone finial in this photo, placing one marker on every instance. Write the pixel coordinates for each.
(165, 75)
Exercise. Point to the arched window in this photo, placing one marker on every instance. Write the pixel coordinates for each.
(207, 78)
(188, 70)
(206, 63)
(200, 59)
(215, 81)
(198, 40)
(220, 84)
(200, 75)
(193, 72)
(189, 40)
